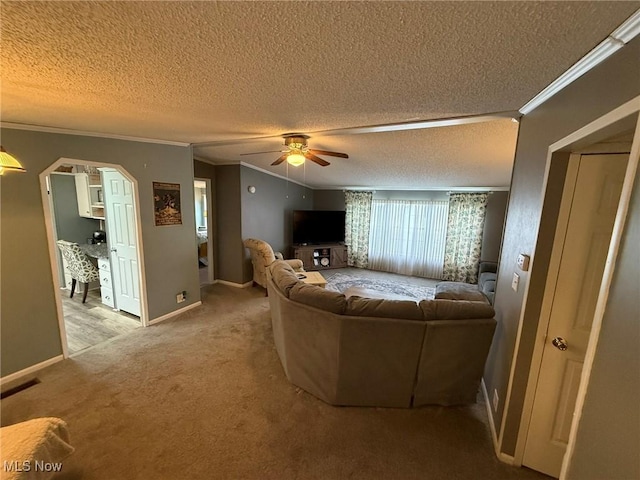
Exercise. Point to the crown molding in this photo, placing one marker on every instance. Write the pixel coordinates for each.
(67, 131)
(614, 42)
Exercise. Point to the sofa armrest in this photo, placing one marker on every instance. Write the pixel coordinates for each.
(452, 361)
(37, 440)
(296, 264)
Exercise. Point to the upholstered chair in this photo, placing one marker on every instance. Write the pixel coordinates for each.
(80, 267)
(262, 255)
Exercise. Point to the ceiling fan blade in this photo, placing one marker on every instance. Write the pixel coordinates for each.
(280, 160)
(318, 160)
(270, 151)
(331, 154)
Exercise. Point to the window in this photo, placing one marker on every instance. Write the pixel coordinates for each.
(408, 237)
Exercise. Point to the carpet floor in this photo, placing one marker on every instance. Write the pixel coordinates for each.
(203, 396)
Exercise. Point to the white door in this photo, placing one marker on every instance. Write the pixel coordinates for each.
(121, 236)
(592, 197)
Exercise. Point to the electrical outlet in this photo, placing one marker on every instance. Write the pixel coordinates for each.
(523, 262)
(181, 297)
(495, 400)
(515, 282)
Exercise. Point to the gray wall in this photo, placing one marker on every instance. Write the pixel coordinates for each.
(607, 86)
(229, 249)
(493, 226)
(30, 333)
(267, 213)
(70, 225)
(611, 414)
(328, 200)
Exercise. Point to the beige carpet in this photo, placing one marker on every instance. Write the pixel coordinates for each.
(203, 396)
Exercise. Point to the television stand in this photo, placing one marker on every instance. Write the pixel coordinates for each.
(321, 257)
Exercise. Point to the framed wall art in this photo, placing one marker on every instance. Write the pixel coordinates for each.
(166, 201)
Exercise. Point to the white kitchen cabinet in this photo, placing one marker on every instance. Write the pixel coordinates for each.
(89, 195)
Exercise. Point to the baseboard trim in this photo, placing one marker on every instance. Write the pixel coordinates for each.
(233, 284)
(508, 459)
(503, 457)
(174, 313)
(29, 370)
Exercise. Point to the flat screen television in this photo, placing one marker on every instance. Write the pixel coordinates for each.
(318, 226)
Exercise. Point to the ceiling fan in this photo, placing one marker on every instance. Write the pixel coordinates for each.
(297, 151)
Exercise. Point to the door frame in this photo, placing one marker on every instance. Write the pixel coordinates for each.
(616, 121)
(51, 240)
(210, 232)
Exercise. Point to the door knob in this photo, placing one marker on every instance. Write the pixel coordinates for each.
(560, 343)
(114, 249)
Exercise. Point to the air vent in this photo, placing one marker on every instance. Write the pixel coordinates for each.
(19, 388)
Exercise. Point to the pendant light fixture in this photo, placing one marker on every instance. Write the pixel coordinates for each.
(295, 158)
(8, 162)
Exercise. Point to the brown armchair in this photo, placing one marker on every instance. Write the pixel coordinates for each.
(262, 256)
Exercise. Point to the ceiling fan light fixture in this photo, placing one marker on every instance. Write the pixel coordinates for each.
(295, 158)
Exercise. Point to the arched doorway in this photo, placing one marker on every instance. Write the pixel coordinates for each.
(79, 198)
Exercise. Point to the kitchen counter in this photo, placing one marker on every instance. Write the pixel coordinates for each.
(95, 250)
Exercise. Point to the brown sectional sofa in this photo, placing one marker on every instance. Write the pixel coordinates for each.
(375, 351)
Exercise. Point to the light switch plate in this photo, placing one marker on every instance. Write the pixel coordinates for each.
(515, 282)
(523, 262)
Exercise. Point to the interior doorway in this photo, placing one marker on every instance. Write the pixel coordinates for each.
(588, 210)
(204, 229)
(584, 289)
(93, 228)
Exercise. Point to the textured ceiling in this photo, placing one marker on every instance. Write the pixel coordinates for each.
(207, 71)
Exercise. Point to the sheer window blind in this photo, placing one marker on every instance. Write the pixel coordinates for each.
(408, 237)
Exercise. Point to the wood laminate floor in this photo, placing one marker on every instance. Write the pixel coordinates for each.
(93, 322)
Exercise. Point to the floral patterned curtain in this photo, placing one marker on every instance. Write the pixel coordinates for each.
(464, 236)
(357, 220)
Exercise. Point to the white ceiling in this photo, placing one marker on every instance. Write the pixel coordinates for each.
(215, 71)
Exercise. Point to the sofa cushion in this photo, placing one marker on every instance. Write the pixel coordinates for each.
(486, 276)
(283, 276)
(484, 279)
(440, 309)
(318, 297)
(383, 308)
(459, 291)
(488, 287)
